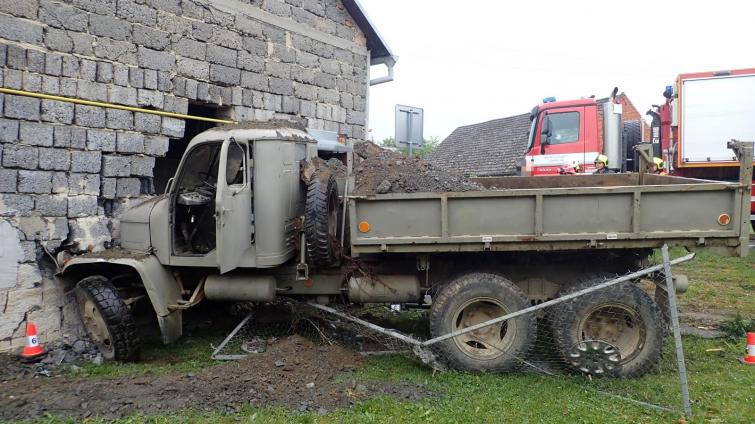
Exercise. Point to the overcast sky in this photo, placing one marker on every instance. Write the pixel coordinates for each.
(472, 61)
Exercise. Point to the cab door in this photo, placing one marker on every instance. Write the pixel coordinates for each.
(233, 204)
(559, 140)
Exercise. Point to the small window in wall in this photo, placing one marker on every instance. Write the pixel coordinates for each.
(165, 167)
(564, 127)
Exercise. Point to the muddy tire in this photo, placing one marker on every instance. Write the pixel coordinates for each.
(321, 220)
(632, 136)
(107, 319)
(622, 315)
(472, 299)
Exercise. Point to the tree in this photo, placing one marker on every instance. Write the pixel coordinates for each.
(429, 144)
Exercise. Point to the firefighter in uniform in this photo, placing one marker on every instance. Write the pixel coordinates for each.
(601, 165)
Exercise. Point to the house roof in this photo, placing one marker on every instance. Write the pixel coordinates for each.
(375, 44)
(488, 148)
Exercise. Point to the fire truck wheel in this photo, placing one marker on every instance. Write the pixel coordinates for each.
(107, 319)
(472, 299)
(321, 220)
(622, 316)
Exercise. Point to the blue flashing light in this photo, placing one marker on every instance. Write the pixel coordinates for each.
(549, 99)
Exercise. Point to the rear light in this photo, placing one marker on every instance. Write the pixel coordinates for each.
(724, 219)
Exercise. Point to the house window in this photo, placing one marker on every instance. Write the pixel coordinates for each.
(564, 127)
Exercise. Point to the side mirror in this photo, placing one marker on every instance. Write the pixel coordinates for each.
(545, 133)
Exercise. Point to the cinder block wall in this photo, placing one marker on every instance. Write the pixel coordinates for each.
(67, 171)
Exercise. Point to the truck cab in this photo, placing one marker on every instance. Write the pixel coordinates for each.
(564, 132)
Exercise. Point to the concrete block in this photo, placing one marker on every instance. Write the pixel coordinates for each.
(142, 166)
(109, 26)
(173, 127)
(68, 87)
(120, 119)
(78, 138)
(274, 34)
(84, 184)
(201, 31)
(107, 188)
(136, 13)
(128, 142)
(255, 46)
(62, 16)
(225, 38)
(31, 82)
(60, 183)
(30, 251)
(150, 98)
(128, 187)
(102, 140)
(290, 105)
(191, 89)
(248, 26)
(122, 95)
(116, 166)
(224, 74)
(156, 145)
(39, 182)
(87, 70)
(57, 40)
(171, 6)
(59, 112)
(53, 205)
(89, 234)
(61, 136)
(23, 9)
(273, 102)
(221, 55)
(81, 206)
(191, 68)
(250, 62)
(28, 277)
(13, 79)
(281, 86)
(21, 107)
(90, 116)
(54, 159)
(149, 37)
(192, 49)
(16, 204)
(8, 130)
(330, 66)
(20, 156)
(277, 69)
(124, 52)
(86, 161)
(324, 80)
(104, 72)
(147, 123)
(16, 57)
(89, 90)
(50, 85)
(305, 91)
(136, 77)
(153, 59)
(16, 29)
(120, 75)
(165, 81)
(284, 53)
(35, 61)
(254, 81)
(329, 96)
(8, 180)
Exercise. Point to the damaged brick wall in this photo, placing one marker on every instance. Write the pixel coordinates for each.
(67, 171)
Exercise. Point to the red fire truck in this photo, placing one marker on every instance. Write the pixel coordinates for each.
(689, 131)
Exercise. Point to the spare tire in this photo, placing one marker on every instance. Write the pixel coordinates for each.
(632, 137)
(321, 220)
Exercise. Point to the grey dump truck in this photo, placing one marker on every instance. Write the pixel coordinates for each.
(247, 218)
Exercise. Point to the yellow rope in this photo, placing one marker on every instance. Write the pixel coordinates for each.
(113, 106)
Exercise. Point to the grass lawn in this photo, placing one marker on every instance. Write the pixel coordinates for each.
(723, 390)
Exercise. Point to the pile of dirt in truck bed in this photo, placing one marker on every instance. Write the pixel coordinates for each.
(293, 372)
(378, 171)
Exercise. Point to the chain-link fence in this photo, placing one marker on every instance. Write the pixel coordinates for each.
(615, 335)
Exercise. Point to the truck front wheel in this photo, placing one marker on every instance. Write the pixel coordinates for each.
(107, 319)
(321, 220)
(473, 299)
(622, 316)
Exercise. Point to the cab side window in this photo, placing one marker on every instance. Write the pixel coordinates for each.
(564, 127)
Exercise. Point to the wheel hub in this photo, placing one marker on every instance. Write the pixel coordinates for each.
(95, 324)
(615, 326)
(484, 343)
(594, 357)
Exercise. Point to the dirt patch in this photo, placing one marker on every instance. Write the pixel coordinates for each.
(378, 171)
(293, 372)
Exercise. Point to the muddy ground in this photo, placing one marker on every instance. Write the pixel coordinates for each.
(379, 171)
(293, 372)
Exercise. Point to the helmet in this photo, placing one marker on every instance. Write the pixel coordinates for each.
(659, 163)
(602, 159)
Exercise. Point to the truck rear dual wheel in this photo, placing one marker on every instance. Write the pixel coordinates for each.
(623, 316)
(107, 319)
(321, 220)
(472, 299)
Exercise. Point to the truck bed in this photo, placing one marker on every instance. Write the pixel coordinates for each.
(556, 213)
